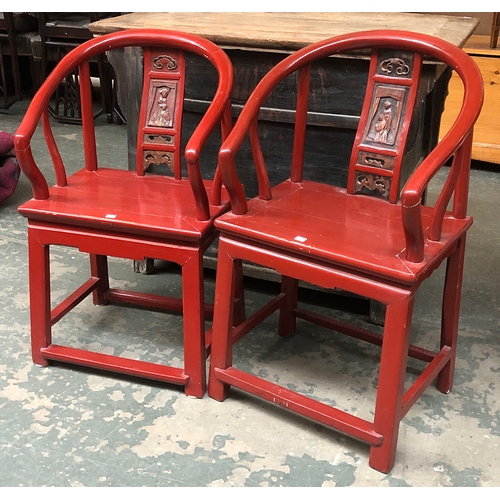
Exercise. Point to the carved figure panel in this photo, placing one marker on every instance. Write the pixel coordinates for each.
(385, 118)
(158, 158)
(376, 185)
(161, 103)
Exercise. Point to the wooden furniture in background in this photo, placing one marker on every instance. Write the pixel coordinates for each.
(486, 146)
(59, 33)
(256, 41)
(495, 27)
(8, 30)
(17, 32)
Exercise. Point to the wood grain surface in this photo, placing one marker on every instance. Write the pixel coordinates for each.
(288, 30)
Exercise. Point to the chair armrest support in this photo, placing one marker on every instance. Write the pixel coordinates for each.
(193, 151)
(412, 194)
(218, 111)
(30, 169)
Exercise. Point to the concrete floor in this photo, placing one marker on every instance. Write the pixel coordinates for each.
(65, 426)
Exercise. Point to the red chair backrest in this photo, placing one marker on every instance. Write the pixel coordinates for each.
(160, 47)
(375, 166)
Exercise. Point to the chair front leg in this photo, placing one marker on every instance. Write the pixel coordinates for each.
(388, 406)
(40, 305)
(193, 309)
(221, 351)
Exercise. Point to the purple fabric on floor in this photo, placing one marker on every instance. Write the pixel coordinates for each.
(6, 144)
(9, 168)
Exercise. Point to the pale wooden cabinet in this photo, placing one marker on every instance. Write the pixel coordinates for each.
(486, 145)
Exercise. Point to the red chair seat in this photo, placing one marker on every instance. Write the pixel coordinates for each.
(326, 223)
(148, 205)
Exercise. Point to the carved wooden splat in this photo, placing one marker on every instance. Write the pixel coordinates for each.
(384, 124)
(161, 111)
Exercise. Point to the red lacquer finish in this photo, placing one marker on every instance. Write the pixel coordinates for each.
(128, 214)
(381, 247)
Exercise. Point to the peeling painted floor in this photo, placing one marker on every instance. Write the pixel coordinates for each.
(65, 426)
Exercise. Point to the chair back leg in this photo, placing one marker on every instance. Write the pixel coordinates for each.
(451, 313)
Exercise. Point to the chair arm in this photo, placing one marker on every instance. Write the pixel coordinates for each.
(22, 143)
(457, 141)
(218, 111)
(244, 124)
(411, 197)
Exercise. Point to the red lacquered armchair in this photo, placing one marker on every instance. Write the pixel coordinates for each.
(373, 238)
(129, 214)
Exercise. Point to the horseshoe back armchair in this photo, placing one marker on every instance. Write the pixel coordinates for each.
(129, 214)
(373, 237)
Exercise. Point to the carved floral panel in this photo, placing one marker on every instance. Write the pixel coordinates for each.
(164, 62)
(397, 64)
(158, 158)
(377, 185)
